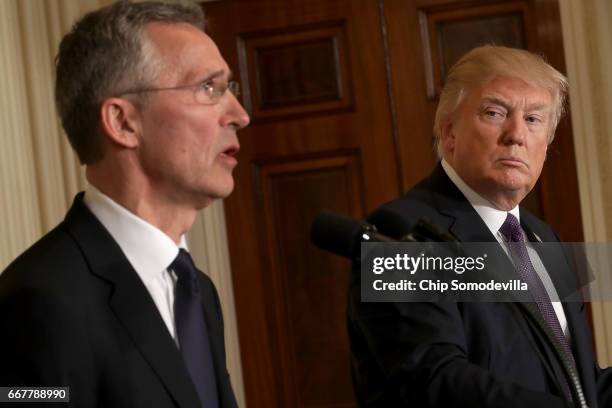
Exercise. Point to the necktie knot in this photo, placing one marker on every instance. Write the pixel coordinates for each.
(511, 229)
(183, 266)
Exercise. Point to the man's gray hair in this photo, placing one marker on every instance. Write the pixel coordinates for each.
(481, 65)
(106, 51)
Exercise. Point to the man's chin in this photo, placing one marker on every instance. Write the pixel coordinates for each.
(512, 178)
(206, 195)
(224, 190)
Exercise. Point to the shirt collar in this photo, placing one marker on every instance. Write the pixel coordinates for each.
(149, 250)
(491, 216)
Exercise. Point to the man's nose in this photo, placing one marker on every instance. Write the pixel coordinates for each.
(514, 130)
(235, 115)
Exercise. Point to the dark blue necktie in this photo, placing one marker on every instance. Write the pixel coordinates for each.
(191, 330)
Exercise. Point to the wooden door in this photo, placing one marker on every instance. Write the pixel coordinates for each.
(426, 37)
(314, 81)
(342, 95)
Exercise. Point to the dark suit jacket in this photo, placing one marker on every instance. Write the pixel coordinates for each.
(73, 312)
(451, 354)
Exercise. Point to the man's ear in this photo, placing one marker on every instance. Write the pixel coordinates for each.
(447, 137)
(120, 121)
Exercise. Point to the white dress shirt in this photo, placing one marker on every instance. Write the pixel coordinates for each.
(149, 250)
(494, 219)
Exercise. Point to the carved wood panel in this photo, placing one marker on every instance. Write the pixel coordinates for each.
(448, 33)
(306, 289)
(320, 138)
(295, 71)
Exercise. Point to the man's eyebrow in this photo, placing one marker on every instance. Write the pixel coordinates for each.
(197, 78)
(497, 101)
(213, 75)
(538, 106)
(217, 74)
(535, 106)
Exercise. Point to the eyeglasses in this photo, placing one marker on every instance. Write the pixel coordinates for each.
(205, 93)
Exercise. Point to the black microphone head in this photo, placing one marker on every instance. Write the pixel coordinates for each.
(336, 233)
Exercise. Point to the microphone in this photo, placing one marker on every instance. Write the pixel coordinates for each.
(343, 235)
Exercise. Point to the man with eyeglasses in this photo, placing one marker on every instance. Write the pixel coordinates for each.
(109, 303)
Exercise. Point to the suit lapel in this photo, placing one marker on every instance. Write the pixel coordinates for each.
(463, 222)
(542, 341)
(131, 303)
(552, 254)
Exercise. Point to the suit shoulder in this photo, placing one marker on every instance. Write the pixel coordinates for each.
(397, 217)
(53, 258)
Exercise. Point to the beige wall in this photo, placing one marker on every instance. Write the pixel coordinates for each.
(587, 35)
(40, 175)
